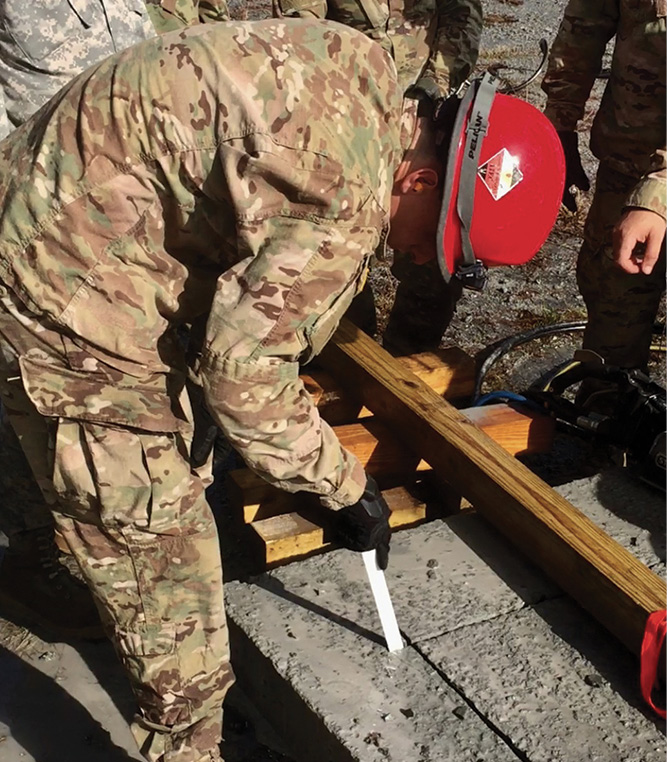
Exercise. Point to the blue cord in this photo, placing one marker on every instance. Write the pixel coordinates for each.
(494, 396)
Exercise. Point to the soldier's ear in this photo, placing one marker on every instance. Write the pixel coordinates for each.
(420, 181)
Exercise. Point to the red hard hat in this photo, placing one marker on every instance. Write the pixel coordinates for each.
(504, 182)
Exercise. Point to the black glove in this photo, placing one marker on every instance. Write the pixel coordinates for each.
(365, 524)
(574, 172)
(205, 430)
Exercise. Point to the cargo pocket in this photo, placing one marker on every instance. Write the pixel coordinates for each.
(150, 640)
(151, 661)
(322, 329)
(100, 475)
(39, 32)
(136, 483)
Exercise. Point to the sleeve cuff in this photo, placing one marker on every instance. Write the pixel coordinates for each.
(650, 193)
(350, 490)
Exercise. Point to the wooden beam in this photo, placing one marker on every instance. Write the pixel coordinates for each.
(596, 571)
(389, 461)
(449, 371)
(293, 535)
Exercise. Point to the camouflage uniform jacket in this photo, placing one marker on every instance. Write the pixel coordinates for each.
(44, 44)
(433, 42)
(189, 182)
(628, 132)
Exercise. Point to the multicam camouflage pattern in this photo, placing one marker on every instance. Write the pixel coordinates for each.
(628, 132)
(433, 42)
(141, 212)
(126, 211)
(135, 516)
(44, 44)
(628, 136)
(106, 26)
(169, 15)
(621, 306)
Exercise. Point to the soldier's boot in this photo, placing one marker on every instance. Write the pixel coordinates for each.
(38, 590)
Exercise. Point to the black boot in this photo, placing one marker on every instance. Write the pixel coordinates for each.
(38, 590)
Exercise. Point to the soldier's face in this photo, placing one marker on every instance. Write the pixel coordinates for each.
(415, 210)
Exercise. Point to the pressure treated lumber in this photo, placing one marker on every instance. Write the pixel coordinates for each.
(449, 372)
(290, 536)
(389, 461)
(596, 571)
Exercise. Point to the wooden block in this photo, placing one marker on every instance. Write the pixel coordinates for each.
(449, 371)
(518, 430)
(288, 537)
(595, 570)
(389, 461)
(294, 535)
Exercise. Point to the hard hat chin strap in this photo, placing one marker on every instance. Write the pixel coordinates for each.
(471, 271)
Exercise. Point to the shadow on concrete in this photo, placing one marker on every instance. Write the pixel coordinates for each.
(47, 722)
(622, 492)
(101, 660)
(610, 659)
(276, 587)
(571, 457)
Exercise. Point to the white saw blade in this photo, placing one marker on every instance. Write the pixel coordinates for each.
(385, 609)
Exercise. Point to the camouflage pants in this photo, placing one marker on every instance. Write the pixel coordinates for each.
(134, 515)
(621, 307)
(423, 308)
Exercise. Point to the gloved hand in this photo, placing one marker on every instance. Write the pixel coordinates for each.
(574, 172)
(364, 525)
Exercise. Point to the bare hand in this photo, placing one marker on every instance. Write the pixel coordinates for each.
(638, 238)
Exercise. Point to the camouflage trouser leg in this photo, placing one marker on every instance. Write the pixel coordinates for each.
(136, 518)
(423, 308)
(621, 307)
(134, 514)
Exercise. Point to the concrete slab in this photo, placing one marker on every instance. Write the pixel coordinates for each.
(309, 631)
(462, 562)
(551, 680)
(628, 510)
(334, 690)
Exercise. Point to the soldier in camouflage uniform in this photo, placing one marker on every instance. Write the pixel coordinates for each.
(622, 292)
(187, 182)
(435, 45)
(42, 46)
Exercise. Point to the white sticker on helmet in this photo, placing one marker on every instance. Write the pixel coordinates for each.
(500, 173)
